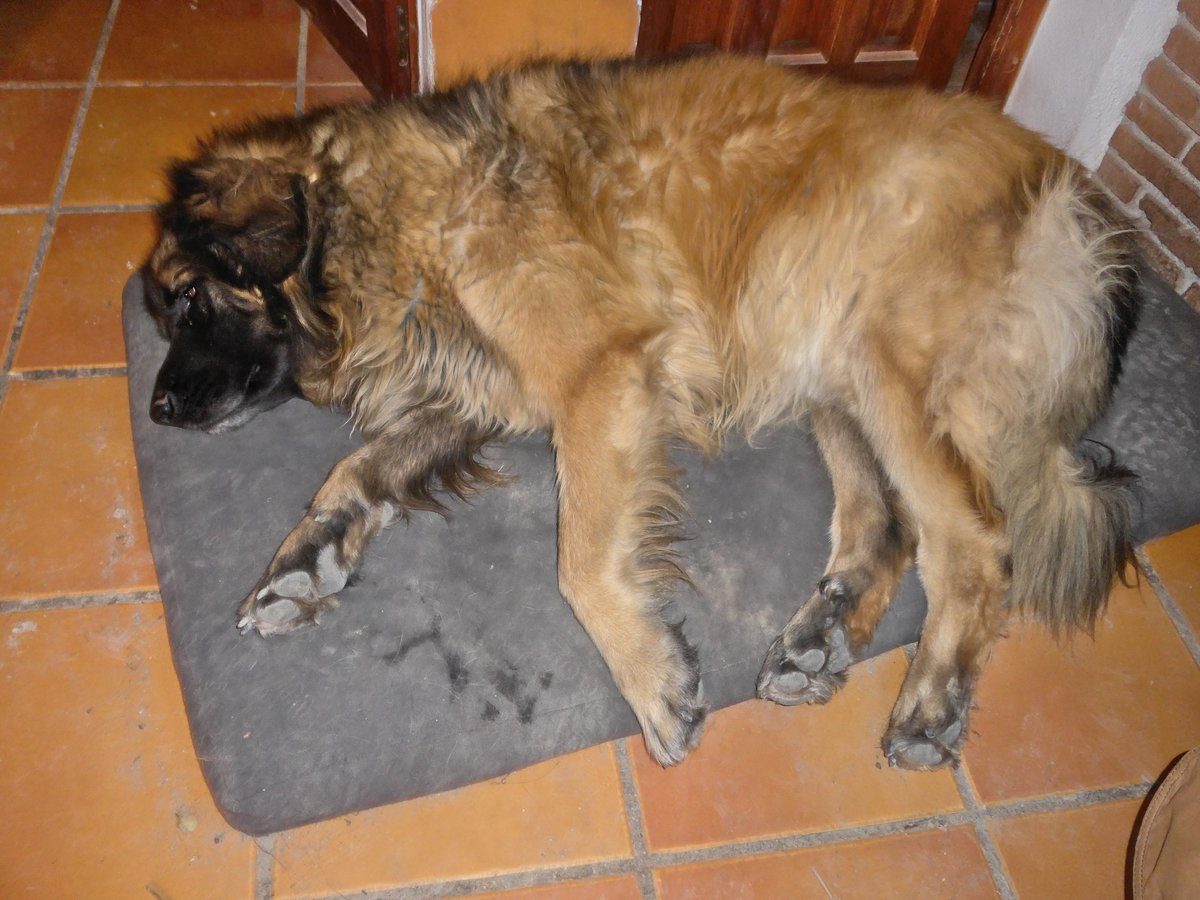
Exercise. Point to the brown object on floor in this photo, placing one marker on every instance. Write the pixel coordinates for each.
(1166, 862)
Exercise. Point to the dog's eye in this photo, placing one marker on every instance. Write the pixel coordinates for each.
(188, 298)
(183, 295)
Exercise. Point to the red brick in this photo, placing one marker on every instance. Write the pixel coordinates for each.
(1174, 92)
(1191, 9)
(1163, 264)
(1177, 236)
(1192, 296)
(1157, 125)
(1183, 49)
(1117, 178)
(1158, 171)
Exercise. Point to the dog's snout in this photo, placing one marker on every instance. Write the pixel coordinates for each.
(163, 407)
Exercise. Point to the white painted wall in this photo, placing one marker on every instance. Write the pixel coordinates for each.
(1084, 65)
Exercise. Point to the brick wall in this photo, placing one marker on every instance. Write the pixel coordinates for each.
(1153, 161)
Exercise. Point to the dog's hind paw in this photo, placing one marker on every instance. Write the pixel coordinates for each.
(926, 743)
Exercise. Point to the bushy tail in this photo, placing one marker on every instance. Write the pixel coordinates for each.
(1068, 507)
(1070, 526)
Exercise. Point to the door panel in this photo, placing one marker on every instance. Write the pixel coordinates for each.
(863, 40)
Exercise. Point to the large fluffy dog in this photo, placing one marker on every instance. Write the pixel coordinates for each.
(623, 256)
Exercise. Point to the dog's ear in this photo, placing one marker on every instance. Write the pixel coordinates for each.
(249, 215)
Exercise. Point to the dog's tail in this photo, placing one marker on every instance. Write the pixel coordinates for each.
(1069, 524)
(1067, 503)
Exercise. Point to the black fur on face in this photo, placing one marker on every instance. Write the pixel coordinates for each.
(227, 362)
(233, 231)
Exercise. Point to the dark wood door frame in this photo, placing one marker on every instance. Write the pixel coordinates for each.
(1003, 47)
(378, 39)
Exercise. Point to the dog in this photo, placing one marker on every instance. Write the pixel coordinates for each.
(627, 255)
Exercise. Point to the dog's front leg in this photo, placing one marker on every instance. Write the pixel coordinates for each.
(386, 478)
(616, 509)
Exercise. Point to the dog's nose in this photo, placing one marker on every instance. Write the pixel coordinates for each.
(163, 407)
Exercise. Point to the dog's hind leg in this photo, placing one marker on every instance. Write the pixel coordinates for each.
(384, 479)
(964, 559)
(617, 511)
(872, 547)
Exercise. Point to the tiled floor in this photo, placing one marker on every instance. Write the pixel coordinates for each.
(100, 791)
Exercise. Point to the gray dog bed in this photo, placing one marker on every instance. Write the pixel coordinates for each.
(454, 659)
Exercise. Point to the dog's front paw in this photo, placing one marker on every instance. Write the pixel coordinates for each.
(808, 662)
(668, 698)
(673, 723)
(287, 601)
(805, 667)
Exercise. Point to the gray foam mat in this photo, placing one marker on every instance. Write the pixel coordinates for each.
(454, 658)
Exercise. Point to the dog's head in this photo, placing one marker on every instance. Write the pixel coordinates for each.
(233, 232)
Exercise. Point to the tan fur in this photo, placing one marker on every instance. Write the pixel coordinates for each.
(622, 256)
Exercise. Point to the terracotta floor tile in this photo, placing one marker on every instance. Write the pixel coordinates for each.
(34, 127)
(330, 95)
(561, 812)
(50, 40)
(1092, 714)
(100, 792)
(620, 887)
(926, 864)
(763, 770)
(131, 133)
(212, 40)
(1176, 559)
(70, 507)
(18, 243)
(324, 65)
(75, 318)
(474, 37)
(1074, 853)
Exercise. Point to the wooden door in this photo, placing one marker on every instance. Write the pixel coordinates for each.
(863, 40)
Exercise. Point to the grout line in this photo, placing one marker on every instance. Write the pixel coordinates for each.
(41, 85)
(24, 210)
(60, 187)
(1174, 613)
(78, 601)
(634, 819)
(133, 83)
(67, 372)
(302, 62)
(1060, 802)
(991, 853)
(974, 815)
(108, 208)
(264, 871)
(761, 846)
(529, 878)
